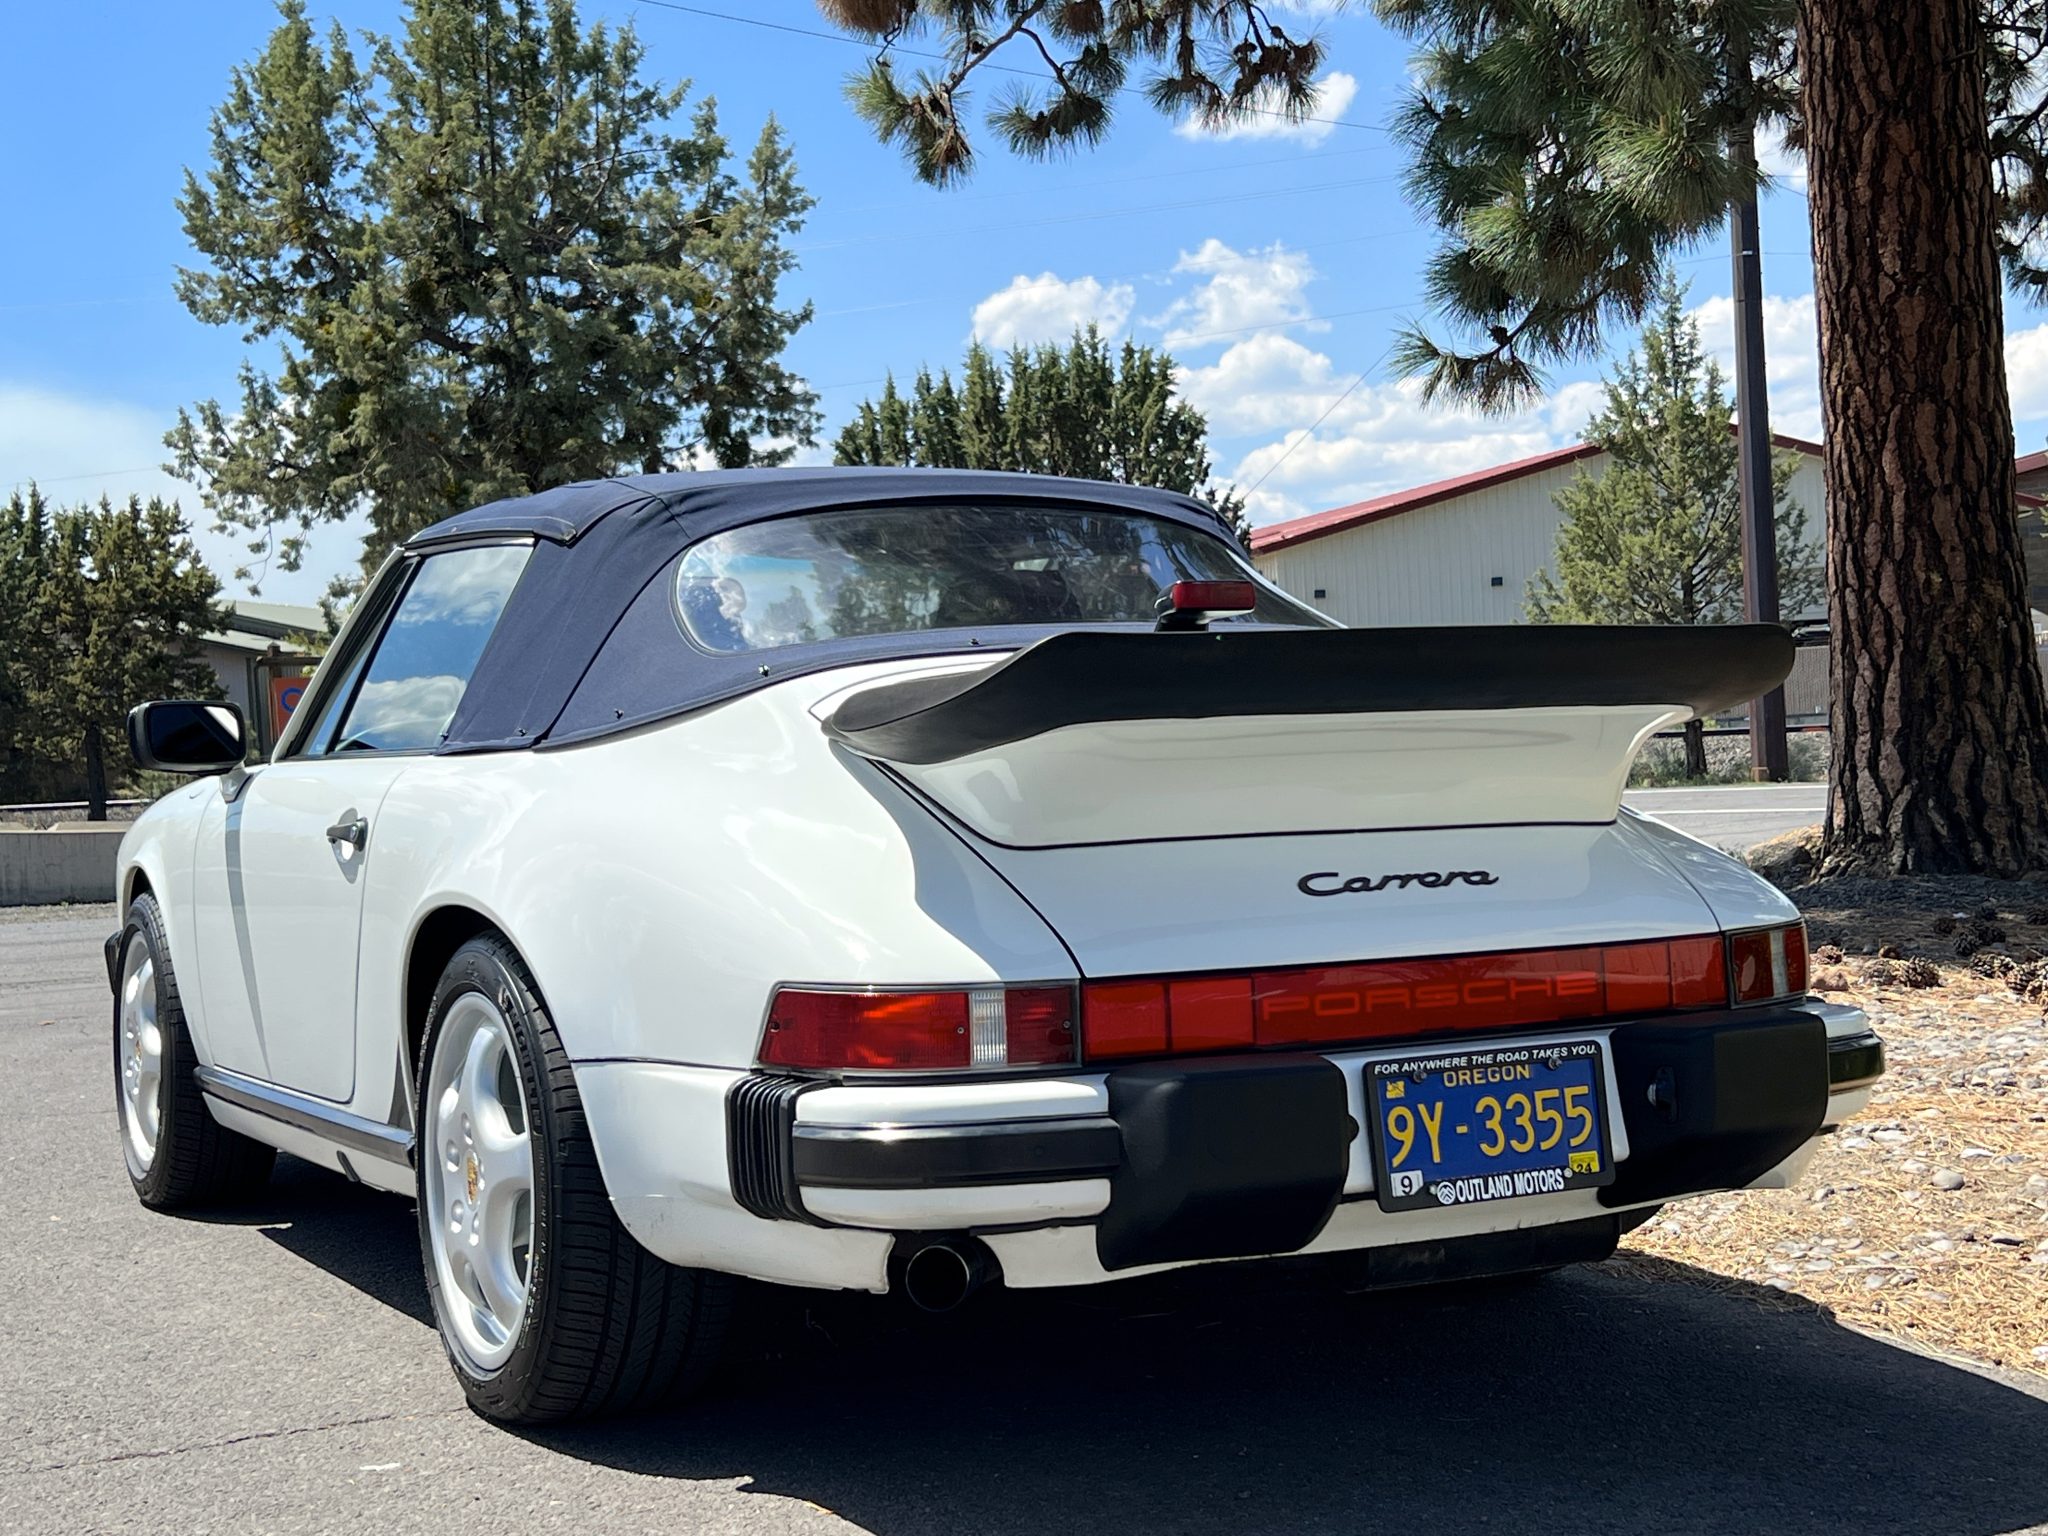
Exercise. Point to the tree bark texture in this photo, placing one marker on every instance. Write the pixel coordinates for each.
(1941, 727)
(95, 775)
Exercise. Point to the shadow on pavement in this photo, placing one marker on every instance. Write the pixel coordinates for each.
(361, 1236)
(1267, 1399)
(1588, 1402)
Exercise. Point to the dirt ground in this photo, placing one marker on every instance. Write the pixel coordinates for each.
(1927, 1216)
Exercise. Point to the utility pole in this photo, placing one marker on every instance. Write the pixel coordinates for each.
(1768, 755)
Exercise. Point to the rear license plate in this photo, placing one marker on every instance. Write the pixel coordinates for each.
(1459, 1125)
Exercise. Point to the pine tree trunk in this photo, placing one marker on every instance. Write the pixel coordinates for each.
(1941, 728)
(95, 776)
(1695, 749)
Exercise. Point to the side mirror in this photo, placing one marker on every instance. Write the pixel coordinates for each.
(187, 736)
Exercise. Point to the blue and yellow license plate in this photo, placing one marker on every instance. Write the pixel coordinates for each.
(1459, 1125)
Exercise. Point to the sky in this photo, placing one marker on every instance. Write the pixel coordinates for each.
(1274, 261)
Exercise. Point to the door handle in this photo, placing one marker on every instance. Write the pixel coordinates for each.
(354, 833)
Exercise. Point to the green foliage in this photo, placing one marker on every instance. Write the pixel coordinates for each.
(101, 608)
(1568, 148)
(1657, 537)
(24, 561)
(1665, 763)
(491, 264)
(1084, 410)
(1213, 60)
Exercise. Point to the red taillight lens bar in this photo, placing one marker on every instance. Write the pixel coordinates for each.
(1392, 999)
(920, 1031)
(997, 1027)
(1766, 964)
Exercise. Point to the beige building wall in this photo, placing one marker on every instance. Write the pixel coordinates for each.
(1465, 560)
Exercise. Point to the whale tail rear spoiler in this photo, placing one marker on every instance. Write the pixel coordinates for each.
(1083, 677)
(1090, 736)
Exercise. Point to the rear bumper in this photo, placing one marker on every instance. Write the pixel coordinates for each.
(1168, 1162)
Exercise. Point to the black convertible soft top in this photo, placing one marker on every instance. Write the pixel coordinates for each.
(589, 645)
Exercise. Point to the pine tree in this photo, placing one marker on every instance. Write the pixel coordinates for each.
(24, 653)
(1566, 148)
(116, 617)
(1215, 59)
(1082, 410)
(1655, 537)
(494, 262)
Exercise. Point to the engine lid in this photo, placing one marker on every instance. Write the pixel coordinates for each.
(1243, 903)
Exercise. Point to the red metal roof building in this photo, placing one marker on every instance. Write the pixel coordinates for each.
(1456, 551)
(1463, 550)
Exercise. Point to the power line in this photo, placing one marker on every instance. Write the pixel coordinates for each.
(926, 53)
(1068, 185)
(1096, 215)
(1238, 260)
(96, 474)
(1288, 451)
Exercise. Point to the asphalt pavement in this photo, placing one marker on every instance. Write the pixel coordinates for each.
(1735, 816)
(273, 1369)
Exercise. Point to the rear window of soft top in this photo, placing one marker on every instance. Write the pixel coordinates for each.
(900, 570)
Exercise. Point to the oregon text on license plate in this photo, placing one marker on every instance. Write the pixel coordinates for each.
(1463, 1124)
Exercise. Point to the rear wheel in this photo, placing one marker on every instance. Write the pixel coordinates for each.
(177, 1154)
(547, 1307)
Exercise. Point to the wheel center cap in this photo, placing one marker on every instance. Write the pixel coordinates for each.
(472, 1176)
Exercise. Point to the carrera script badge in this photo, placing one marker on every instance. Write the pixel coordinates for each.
(1328, 882)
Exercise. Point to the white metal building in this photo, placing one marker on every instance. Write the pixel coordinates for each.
(1458, 551)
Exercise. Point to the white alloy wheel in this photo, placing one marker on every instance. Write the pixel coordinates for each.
(478, 1185)
(142, 1056)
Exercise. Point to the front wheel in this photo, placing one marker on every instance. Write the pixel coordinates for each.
(547, 1307)
(178, 1155)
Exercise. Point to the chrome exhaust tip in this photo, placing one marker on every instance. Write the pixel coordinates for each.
(939, 1275)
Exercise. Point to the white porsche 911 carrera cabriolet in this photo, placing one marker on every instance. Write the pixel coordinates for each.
(917, 879)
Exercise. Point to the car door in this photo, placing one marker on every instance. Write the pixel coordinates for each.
(279, 877)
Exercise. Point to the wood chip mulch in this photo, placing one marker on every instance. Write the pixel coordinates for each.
(1927, 1216)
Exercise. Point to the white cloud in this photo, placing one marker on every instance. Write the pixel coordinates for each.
(1780, 161)
(1047, 309)
(1380, 437)
(78, 449)
(1791, 356)
(2026, 374)
(1263, 383)
(1335, 92)
(1239, 290)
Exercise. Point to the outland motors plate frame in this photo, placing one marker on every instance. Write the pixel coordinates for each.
(1465, 1076)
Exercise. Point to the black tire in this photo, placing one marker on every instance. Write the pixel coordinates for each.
(608, 1327)
(198, 1161)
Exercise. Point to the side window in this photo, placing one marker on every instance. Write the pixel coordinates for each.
(421, 666)
(317, 739)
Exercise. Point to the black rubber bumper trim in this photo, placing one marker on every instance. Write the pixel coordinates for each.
(760, 1121)
(1225, 1157)
(1855, 1061)
(956, 1156)
(1715, 1103)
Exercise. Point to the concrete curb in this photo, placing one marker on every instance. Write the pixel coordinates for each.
(68, 863)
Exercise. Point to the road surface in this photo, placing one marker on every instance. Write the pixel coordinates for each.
(1735, 816)
(272, 1369)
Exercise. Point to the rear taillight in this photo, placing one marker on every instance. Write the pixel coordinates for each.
(1767, 964)
(980, 1027)
(1336, 1004)
(992, 1028)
